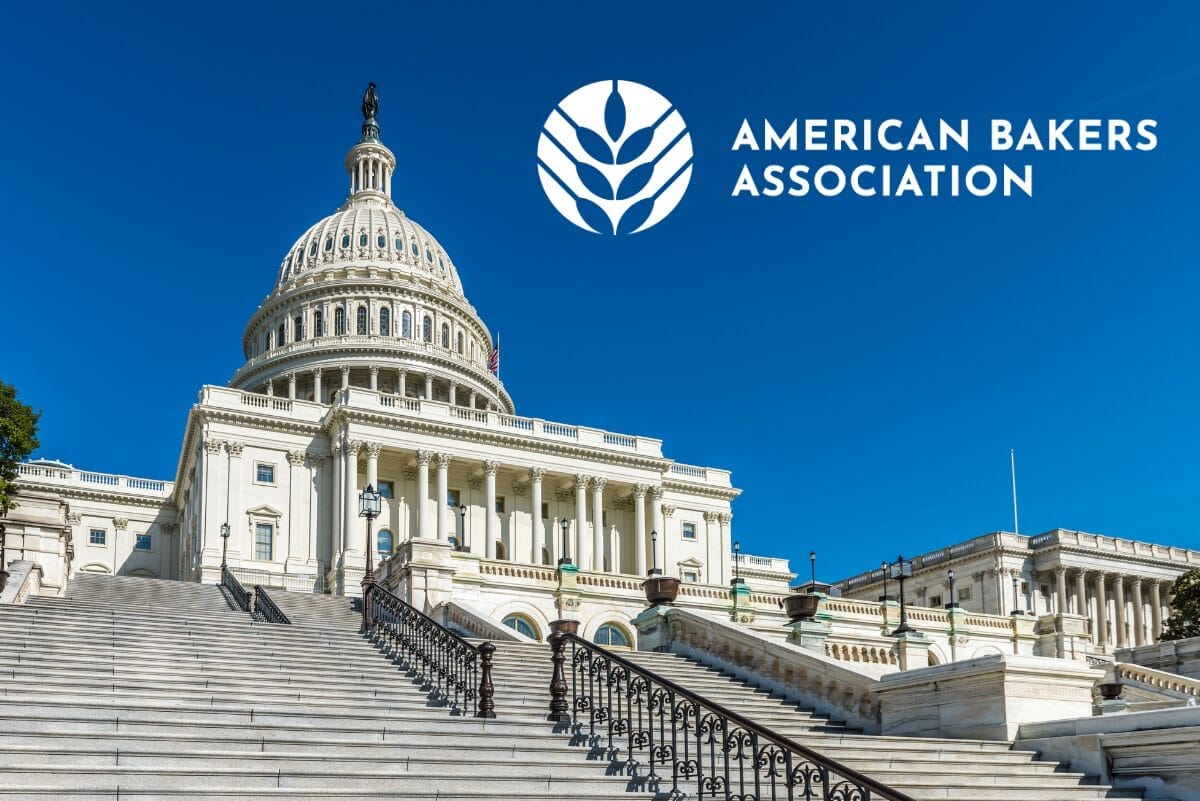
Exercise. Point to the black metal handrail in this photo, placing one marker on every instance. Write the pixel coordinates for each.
(459, 673)
(265, 605)
(236, 590)
(687, 744)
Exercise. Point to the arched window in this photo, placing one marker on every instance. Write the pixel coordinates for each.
(428, 255)
(416, 250)
(282, 336)
(385, 322)
(501, 551)
(608, 634)
(460, 342)
(384, 542)
(362, 320)
(298, 329)
(312, 251)
(318, 323)
(339, 321)
(381, 241)
(406, 325)
(521, 625)
(328, 243)
(362, 239)
(427, 329)
(445, 336)
(399, 245)
(345, 241)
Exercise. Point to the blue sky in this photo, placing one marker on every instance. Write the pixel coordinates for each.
(862, 365)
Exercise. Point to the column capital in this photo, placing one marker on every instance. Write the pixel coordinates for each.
(656, 492)
(598, 483)
(537, 473)
(490, 467)
(1060, 570)
(213, 445)
(710, 517)
(581, 481)
(443, 460)
(563, 494)
(345, 370)
(668, 510)
(640, 490)
(474, 481)
(295, 458)
(373, 449)
(234, 447)
(424, 457)
(374, 369)
(120, 523)
(520, 489)
(354, 446)
(725, 517)
(1135, 582)
(316, 460)
(336, 449)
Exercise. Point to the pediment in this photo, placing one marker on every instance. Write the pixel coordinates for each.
(264, 510)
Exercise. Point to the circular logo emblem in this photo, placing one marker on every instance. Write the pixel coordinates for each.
(615, 157)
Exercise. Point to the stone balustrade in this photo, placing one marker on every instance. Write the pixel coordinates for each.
(24, 580)
(1174, 656)
(1158, 681)
(68, 476)
(799, 674)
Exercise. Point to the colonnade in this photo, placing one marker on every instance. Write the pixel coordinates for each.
(1130, 599)
(589, 543)
(405, 383)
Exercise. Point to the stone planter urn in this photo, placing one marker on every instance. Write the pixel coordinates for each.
(1109, 690)
(801, 606)
(661, 590)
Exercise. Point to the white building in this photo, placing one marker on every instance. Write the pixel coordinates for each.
(367, 365)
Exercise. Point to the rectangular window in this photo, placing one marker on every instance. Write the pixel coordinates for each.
(387, 489)
(98, 536)
(264, 535)
(143, 542)
(453, 498)
(264, 473)
(690, 576)
(964, 594)
(935, 601)
(688, 531)
(545, 511)
(499, 504)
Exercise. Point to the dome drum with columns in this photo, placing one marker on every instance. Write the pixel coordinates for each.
(368, 298)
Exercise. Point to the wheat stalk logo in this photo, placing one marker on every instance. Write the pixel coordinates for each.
(615, 157)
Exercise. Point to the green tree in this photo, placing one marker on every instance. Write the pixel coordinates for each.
(1185, 608)
(18, 439)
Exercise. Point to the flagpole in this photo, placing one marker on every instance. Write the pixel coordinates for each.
(497, 356)
(1012, 459)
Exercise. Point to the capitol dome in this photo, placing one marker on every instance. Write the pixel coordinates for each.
(367, 297)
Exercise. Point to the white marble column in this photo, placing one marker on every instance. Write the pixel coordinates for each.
(316, 484)
(1060, 586)
(297, 547)
(490, 520)
(424, 521)
(1139, 612)
(1119, 597)
(401, 388)
(428, 386)
(345, 377)
(233, 497)
(317, 393)
(373, 449)
(1081, 604)
(375, 378)
(725, 520)
(291, 378)
(656, 524)
(598, 532)
(453, 393)
(338, 506)
(583, 551)
(271, 388)
(1155, 611)
(350, 494)
(1101, 628)
(537, 533)
(639, 528)
(443, 497)
(712, 566)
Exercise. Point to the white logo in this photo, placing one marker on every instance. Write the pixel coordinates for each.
(615, 157)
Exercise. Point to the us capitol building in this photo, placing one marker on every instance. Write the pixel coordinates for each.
(367, 365)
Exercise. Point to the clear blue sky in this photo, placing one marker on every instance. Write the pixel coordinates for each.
(862, 366)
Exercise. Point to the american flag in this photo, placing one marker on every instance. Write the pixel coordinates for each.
(494, 358)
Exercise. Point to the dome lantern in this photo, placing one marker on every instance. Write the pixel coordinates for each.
(369, 163)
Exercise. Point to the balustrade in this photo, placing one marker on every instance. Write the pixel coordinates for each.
(683, 745)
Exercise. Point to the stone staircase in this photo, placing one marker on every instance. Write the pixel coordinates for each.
(139, 690)
(924, 768)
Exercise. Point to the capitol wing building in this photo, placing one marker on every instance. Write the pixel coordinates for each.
(367, 365)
